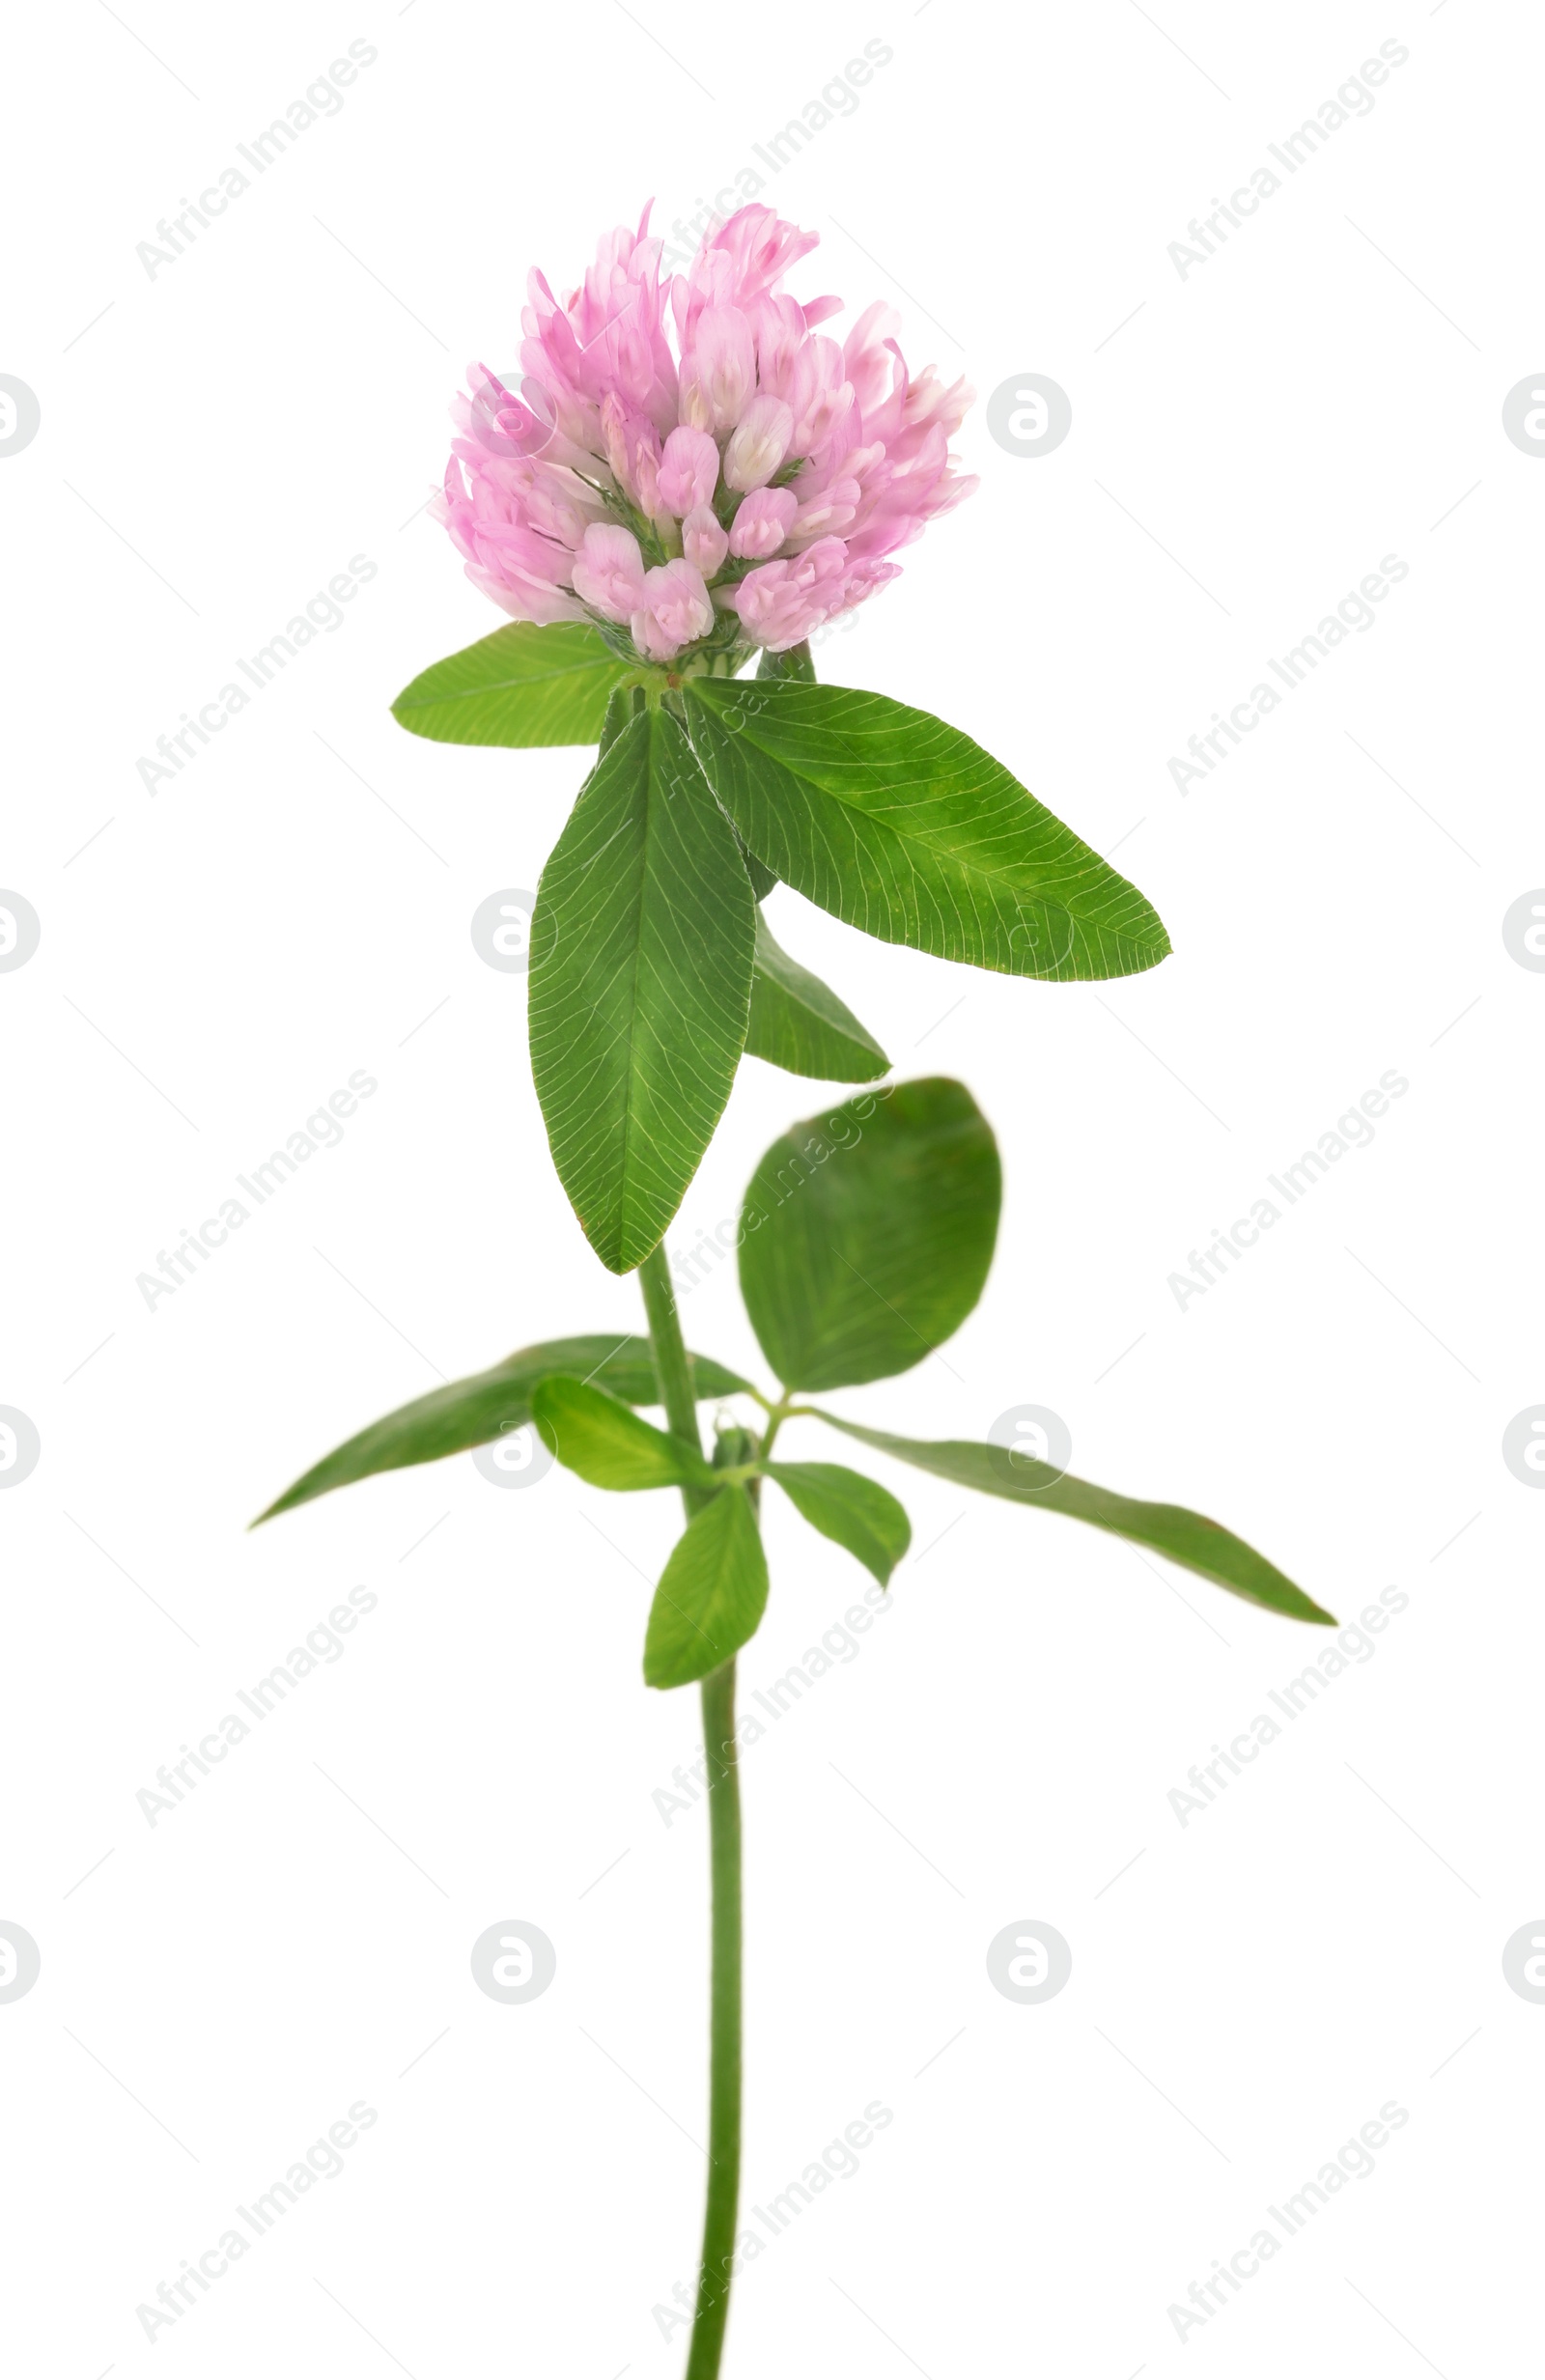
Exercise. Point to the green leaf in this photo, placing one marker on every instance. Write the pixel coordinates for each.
(905, 828)
(522, 684)
(623, 704)
(853, 1511)
(763, 879)
(793, 663)
(594, 1434)
(474, 1411)
(868, 1232)
(643, 946)
(799, 1024)
(710, 1596)
(733, 1447)
(1188, 1539)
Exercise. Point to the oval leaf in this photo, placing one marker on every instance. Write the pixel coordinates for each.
(1188, 1539)
(852, 1511)
(710, 1596)
(520, 686)
(474, 1411)
(642, 944)
(597, 1435)
(799, 1024)
(867, 1233)
(905, 828)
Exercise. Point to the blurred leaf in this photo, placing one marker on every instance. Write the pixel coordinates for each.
(643, 945)
(867, 1233)
(597, 1435)
(474, 1411)
(906, 828)
(732, 1446)
(1185, 1537)
(520, 686)
(710, 1596)
(853, 1511)
(799, 1024)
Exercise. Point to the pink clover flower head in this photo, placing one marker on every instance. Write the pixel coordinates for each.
(691, 464)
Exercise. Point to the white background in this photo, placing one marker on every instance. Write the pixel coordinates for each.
(217, 442)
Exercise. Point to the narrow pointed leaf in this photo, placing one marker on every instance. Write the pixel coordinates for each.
(597, 1435)
(1188, 1539)
(799, 1022)
(867, 1233)
(643, 945)
(520, 686)
(852, 1511)
(710, 1596)
(474, 1411)
(905, 828)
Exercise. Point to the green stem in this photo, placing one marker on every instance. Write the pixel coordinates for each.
(673, 1371)
(777, 1415)
(725, 2037)
(673, 1365)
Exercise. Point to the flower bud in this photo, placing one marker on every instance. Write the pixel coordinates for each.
(761, 523)
(704, 543)
(758, 444)
(609, 572)
(675, 611)
(689, 471)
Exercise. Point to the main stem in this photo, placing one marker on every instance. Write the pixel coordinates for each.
(673, 1371)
